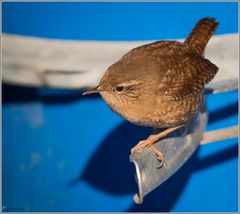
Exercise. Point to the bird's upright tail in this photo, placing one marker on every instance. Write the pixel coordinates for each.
(201, 34)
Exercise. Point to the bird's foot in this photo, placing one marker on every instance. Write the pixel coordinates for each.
(150, 144)
(140, 145)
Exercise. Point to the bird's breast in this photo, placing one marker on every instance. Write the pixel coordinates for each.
(157, 111)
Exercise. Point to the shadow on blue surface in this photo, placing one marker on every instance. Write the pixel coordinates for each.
(223, 112)
(21, 94)
(109, 169)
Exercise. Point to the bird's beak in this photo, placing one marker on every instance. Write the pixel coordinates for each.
(92, 90)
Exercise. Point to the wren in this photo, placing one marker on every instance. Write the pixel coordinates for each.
(160, 84)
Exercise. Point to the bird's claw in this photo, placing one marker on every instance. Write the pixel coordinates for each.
(161, 164)
(159, 155)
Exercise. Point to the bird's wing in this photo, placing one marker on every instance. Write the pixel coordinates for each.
(187, 75)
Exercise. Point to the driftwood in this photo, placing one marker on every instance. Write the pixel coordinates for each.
(80, 64)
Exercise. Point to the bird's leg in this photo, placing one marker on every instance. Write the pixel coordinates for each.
(151, 140)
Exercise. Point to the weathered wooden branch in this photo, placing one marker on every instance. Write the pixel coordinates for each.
(75, 64)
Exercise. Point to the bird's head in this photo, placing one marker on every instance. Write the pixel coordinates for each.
(119, 86)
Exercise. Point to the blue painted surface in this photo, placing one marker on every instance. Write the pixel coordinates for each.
(65, 152)
(114, 21)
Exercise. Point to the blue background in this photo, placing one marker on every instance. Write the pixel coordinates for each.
(66, 152)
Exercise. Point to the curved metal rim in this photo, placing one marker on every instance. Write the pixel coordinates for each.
(138, 198)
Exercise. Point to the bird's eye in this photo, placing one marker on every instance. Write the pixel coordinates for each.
(119, 88)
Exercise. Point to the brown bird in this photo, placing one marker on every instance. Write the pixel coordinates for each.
(160, 84)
